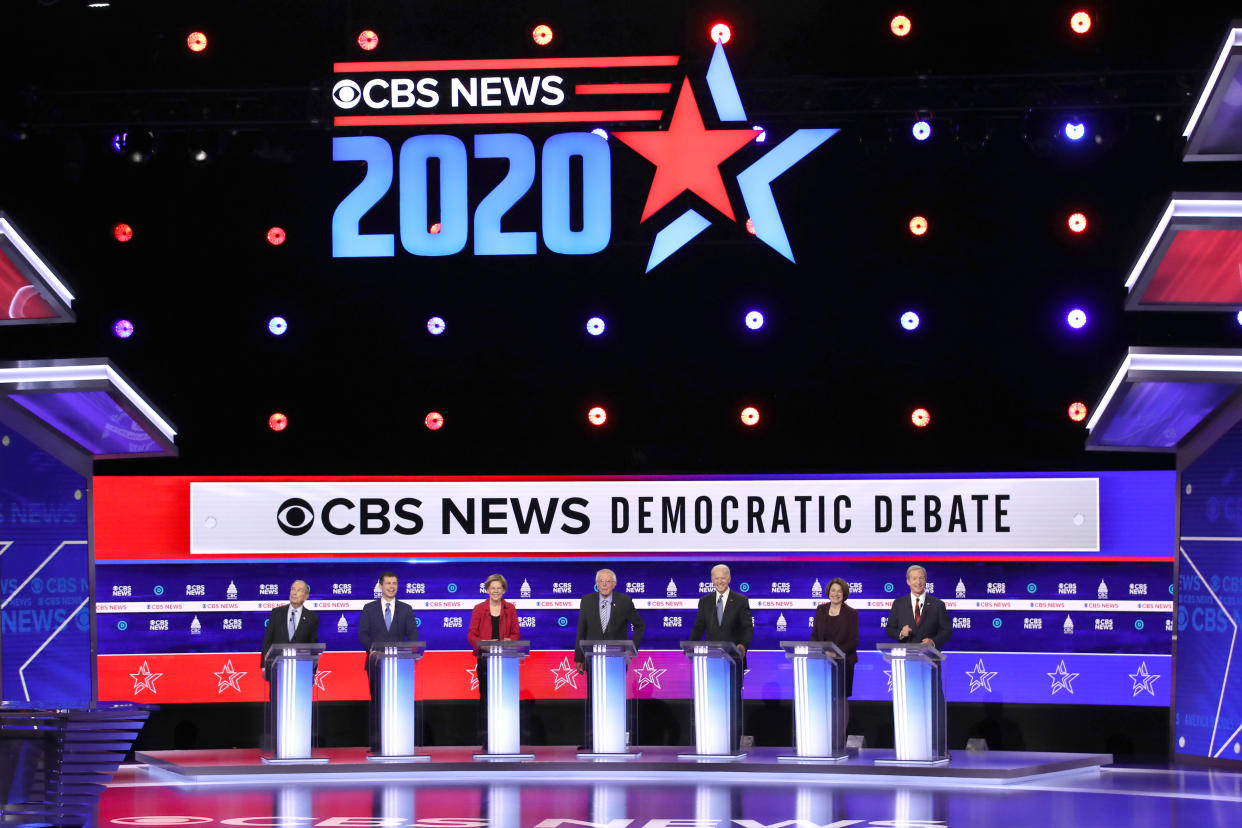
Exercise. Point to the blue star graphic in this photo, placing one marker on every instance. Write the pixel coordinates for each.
(980, 677)
(1061, 679)
(1143, 680)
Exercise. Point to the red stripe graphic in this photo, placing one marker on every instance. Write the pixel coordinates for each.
(623, 88)
(604, 116)
(504, 63)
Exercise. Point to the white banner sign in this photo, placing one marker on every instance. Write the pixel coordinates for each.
(981, 514)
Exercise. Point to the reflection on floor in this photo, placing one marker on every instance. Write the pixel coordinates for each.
(1130, 797)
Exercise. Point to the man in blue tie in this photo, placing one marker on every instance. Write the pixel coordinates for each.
(384, 620)
(291, 623)
(724, 615)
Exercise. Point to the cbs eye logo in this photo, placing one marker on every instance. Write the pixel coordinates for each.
(295, 516)
(346, 93)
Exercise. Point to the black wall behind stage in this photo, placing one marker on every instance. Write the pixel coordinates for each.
(832, 372)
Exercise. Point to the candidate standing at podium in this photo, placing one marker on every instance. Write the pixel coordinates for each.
(724, 615)
(837, 621)
(605, 615)
(491, 620)
(291, 623)
(385, 619)
(919, 618)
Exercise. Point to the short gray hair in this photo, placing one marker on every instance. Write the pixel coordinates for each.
(721, 566)
(913, 567)
(609, 571)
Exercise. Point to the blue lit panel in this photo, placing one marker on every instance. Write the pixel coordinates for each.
(1160, 414)
(92, 419)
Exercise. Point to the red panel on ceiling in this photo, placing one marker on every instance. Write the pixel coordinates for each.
(18, 298)
(1200, 266)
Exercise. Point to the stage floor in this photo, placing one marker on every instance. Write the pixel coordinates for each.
(452, 763)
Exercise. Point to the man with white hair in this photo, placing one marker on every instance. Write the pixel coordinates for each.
(724, 615)
(919, 617)
(604, 615)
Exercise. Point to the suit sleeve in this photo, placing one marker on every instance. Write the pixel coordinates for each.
(893, 628)
(850, 647)
(944, 627)
(747, 631)
(582, 631)
(700, 622)
(365, 637)
(636, 621)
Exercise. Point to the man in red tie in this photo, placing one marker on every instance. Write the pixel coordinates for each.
(919, 617)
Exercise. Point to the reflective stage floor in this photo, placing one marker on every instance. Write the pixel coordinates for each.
(693, 797)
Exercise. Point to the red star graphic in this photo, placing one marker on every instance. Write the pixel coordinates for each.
(687, 156)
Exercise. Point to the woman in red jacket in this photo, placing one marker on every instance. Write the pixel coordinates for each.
(491, 620)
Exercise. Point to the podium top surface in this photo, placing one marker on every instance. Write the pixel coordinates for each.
(812, 648)
(396, 648)
(611, 645)
(692, 648)
(295, 651)
(914, 652)
(502, 647)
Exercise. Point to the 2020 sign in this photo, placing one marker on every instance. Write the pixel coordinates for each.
(415, 230)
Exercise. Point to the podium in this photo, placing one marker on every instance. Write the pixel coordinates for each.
(717, 718)
(504, 717)
(607, 663)
(291, 705)
(393, 719)
(919, 714)
(819, 701)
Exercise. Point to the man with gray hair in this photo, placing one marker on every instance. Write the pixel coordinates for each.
(606, 615)
(724, 615)
(919, 618)
(291, 623)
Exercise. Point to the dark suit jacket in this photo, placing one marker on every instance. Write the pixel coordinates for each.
(736, 626)
(619, 620)
(481, 623)
(933, 622)
(844, 635)
(371, 626)
(277, 631)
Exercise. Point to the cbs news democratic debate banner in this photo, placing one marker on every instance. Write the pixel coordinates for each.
(1059, 585)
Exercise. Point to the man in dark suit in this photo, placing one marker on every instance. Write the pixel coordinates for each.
(919, 617)
(603, 616)
(724, 615)
(291, 623)
(384, 619)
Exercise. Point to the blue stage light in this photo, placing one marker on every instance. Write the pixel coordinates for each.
(762, 136)
(754, 320)
(1075, 130)
(277, 325)
(1239, 317)
(435, 326)
(123, 329)
(921, 130)
(595, 326)
(909, 320)
(119, 140)
(1076, 318)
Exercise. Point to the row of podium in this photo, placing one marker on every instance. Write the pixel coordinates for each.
(819, 701)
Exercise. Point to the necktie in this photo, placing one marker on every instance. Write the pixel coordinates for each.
(918, 611)
(719, 609)
(293, 623)
(605, 610)
(388, 616)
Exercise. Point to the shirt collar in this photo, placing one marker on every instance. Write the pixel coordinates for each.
(724, 595)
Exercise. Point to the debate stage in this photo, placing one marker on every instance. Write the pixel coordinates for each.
(449, 764)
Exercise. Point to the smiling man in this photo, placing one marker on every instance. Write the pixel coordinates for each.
(919, 618)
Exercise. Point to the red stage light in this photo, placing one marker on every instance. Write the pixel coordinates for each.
(434, 420)
(750, 226)
(750, 415)
(1077, 223)
(597, 415)
(721, 33)
(277, 422)
(122, 232)
(900, 25)
(918, 225)
(1077, 412)
(920, 417)
(1080, 22)
(276, 236)
(197, 41)
(367, 40)
(434, 229)
(542, 34)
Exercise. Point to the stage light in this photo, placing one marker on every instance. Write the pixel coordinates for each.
(123, 329)
(277, 325)
(597, 415)
(1075, 131)
(367, 40)
(1077, 222)
(750, 415)
(277, 422)
(921, 130)
(909, 320)
(197, 41)
(119, 139)
(1076, 318)
(122, 232)
(900, 25)
(1239, 317)
(601, 132)
(434, 420)
(750, 226)
(762, 136)
(542, 35)
(1080, 22)
(276, 236)
(200, 155)
(435, 326)
(434, 229)
(754, 320)
(721, 33)
(918, 225)
(1077, 412)
(595, 326)
(920, 417)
